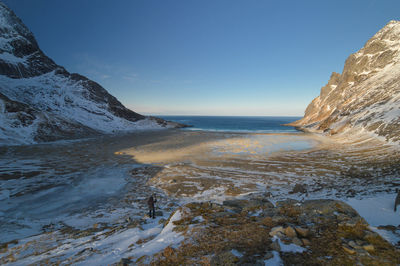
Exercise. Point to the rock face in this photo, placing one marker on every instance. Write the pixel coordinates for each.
(41, 101)
(366, 96)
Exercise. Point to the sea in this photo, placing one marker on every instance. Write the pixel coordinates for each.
(246, 124)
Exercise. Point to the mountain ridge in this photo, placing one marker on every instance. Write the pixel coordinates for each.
(365, 97)
(49, 102)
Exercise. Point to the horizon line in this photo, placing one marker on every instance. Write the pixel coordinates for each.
(225, 115)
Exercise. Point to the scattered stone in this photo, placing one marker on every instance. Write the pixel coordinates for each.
(299, 188)
(162, 221)
(391, 228)
(303, 232)
(290, 232)
(159, 213)
(275, 245)
(276, 230)
(124, 262)
(359, 242)
(297, 241)
(268, 255)
(306, 242)
(349, 250)
(225, 258)
(369, 248)
(351, 192)
(314, 218)
(353, 244)
(234, 203)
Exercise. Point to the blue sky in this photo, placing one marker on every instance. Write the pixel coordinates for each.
(213, 57)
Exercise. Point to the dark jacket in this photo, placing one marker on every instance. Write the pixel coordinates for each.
(151, 202)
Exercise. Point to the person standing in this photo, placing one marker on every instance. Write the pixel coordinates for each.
(150, 202)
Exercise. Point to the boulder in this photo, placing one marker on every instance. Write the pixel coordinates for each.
(369, 248)
(274, 231)
(290, 232)
(303, 232)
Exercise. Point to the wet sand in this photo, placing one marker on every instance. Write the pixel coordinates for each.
(211, 165)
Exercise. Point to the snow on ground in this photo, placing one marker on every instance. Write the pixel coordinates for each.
(119, 245)
(60, 100)
(288, 247)
(27, 214)
(104, 248)
(274, 261)
(378, 210)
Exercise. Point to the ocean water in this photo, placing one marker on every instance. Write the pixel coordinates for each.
(259, 124)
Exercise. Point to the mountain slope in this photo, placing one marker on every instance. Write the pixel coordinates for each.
(365, 98)
(49, 103)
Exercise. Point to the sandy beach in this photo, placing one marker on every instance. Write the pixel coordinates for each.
(200, 165)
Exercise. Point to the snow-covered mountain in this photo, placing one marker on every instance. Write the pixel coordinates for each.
(41, 101)
(365, 98)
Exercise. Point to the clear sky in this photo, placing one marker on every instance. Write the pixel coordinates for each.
(206, 57)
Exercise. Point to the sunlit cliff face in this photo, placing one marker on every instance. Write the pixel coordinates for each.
(366, 96)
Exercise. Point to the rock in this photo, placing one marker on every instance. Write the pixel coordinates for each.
(354, 245)
(268, 194)
(297, 241)
(268, 255)
(290, 232)
(251, 203)
(391, 228)
(124, 262)
(235, 204)
(359, 242)
(225, 258)
(369, 248)
(299, 188)
(303, 232)
(159, 213)
(276, 246)
(162, 221)
(349, 250)
(306, 242)
(274, 231)
(222, 214)
(351, 193)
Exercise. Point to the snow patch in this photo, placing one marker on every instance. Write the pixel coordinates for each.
(288, 247)
(379, 211)
(275, 260)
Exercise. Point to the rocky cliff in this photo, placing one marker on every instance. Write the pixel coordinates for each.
(41, 101)
(365, 98)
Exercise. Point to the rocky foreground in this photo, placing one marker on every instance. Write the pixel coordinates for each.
(257, 232)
